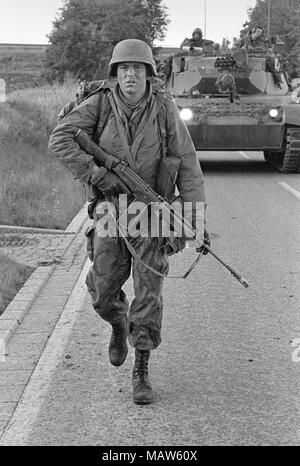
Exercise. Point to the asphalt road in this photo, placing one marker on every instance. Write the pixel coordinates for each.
(228, 369)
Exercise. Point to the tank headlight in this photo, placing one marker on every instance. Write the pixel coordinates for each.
(186, 114)
(276, 113)
(273, 113)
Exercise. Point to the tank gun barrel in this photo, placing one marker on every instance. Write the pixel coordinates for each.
(192, 49)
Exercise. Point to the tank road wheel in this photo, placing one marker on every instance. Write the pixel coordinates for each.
(291, 160)
(287, 161)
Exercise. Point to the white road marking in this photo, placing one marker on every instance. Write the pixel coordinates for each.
(22, 421)
(291, 190)
(243, 154)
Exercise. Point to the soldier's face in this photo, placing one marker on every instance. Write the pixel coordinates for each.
(132, 80)
(257, 33)
(197, 36)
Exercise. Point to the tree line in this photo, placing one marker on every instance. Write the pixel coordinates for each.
(284, 23)
(86, 31)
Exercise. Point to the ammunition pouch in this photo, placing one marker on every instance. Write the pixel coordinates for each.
(167, 176)
(93, 194)
(91, 207)
(90, 235)
(174, 245)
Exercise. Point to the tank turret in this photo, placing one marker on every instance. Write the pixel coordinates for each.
(238, 101)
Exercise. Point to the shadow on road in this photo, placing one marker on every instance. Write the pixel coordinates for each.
(247, 167)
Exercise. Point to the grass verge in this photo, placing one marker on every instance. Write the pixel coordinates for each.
(35, 188)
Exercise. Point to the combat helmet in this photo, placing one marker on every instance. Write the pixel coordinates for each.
(197, 30)
(132, 50)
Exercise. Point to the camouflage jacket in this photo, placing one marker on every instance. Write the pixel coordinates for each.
(145, 147)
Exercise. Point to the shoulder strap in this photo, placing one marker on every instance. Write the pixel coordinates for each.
(103, 111)
(162, 124)
(104, 108)
(161, 97)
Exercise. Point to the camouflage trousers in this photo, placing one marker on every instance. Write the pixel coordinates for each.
(112, 266)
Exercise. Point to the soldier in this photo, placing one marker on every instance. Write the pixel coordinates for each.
(274, 67)
(196, 40)
(253, 39)
(134, 114)
(208, 47)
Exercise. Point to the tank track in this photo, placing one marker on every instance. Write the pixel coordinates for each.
(291, 159)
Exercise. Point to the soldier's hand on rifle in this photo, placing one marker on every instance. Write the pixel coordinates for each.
(206, 242)
(109, 183)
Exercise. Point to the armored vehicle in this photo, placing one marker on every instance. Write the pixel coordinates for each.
(239, 101)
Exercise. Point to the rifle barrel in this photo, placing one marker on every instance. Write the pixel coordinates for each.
(234, 273)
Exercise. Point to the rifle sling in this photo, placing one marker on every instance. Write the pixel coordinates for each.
(148, 267)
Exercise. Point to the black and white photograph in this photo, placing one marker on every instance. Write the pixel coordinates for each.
(149, 228)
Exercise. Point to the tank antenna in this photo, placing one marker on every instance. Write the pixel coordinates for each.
(204, 19)
(269, 16)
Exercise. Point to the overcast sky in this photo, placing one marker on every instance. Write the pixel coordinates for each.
(29, 21)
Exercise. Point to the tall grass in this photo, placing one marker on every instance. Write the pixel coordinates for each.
(35, 188)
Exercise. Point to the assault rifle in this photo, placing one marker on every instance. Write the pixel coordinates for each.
(144, 193)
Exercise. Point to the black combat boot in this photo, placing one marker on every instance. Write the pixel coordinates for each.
(142, 390)
(118, 345)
